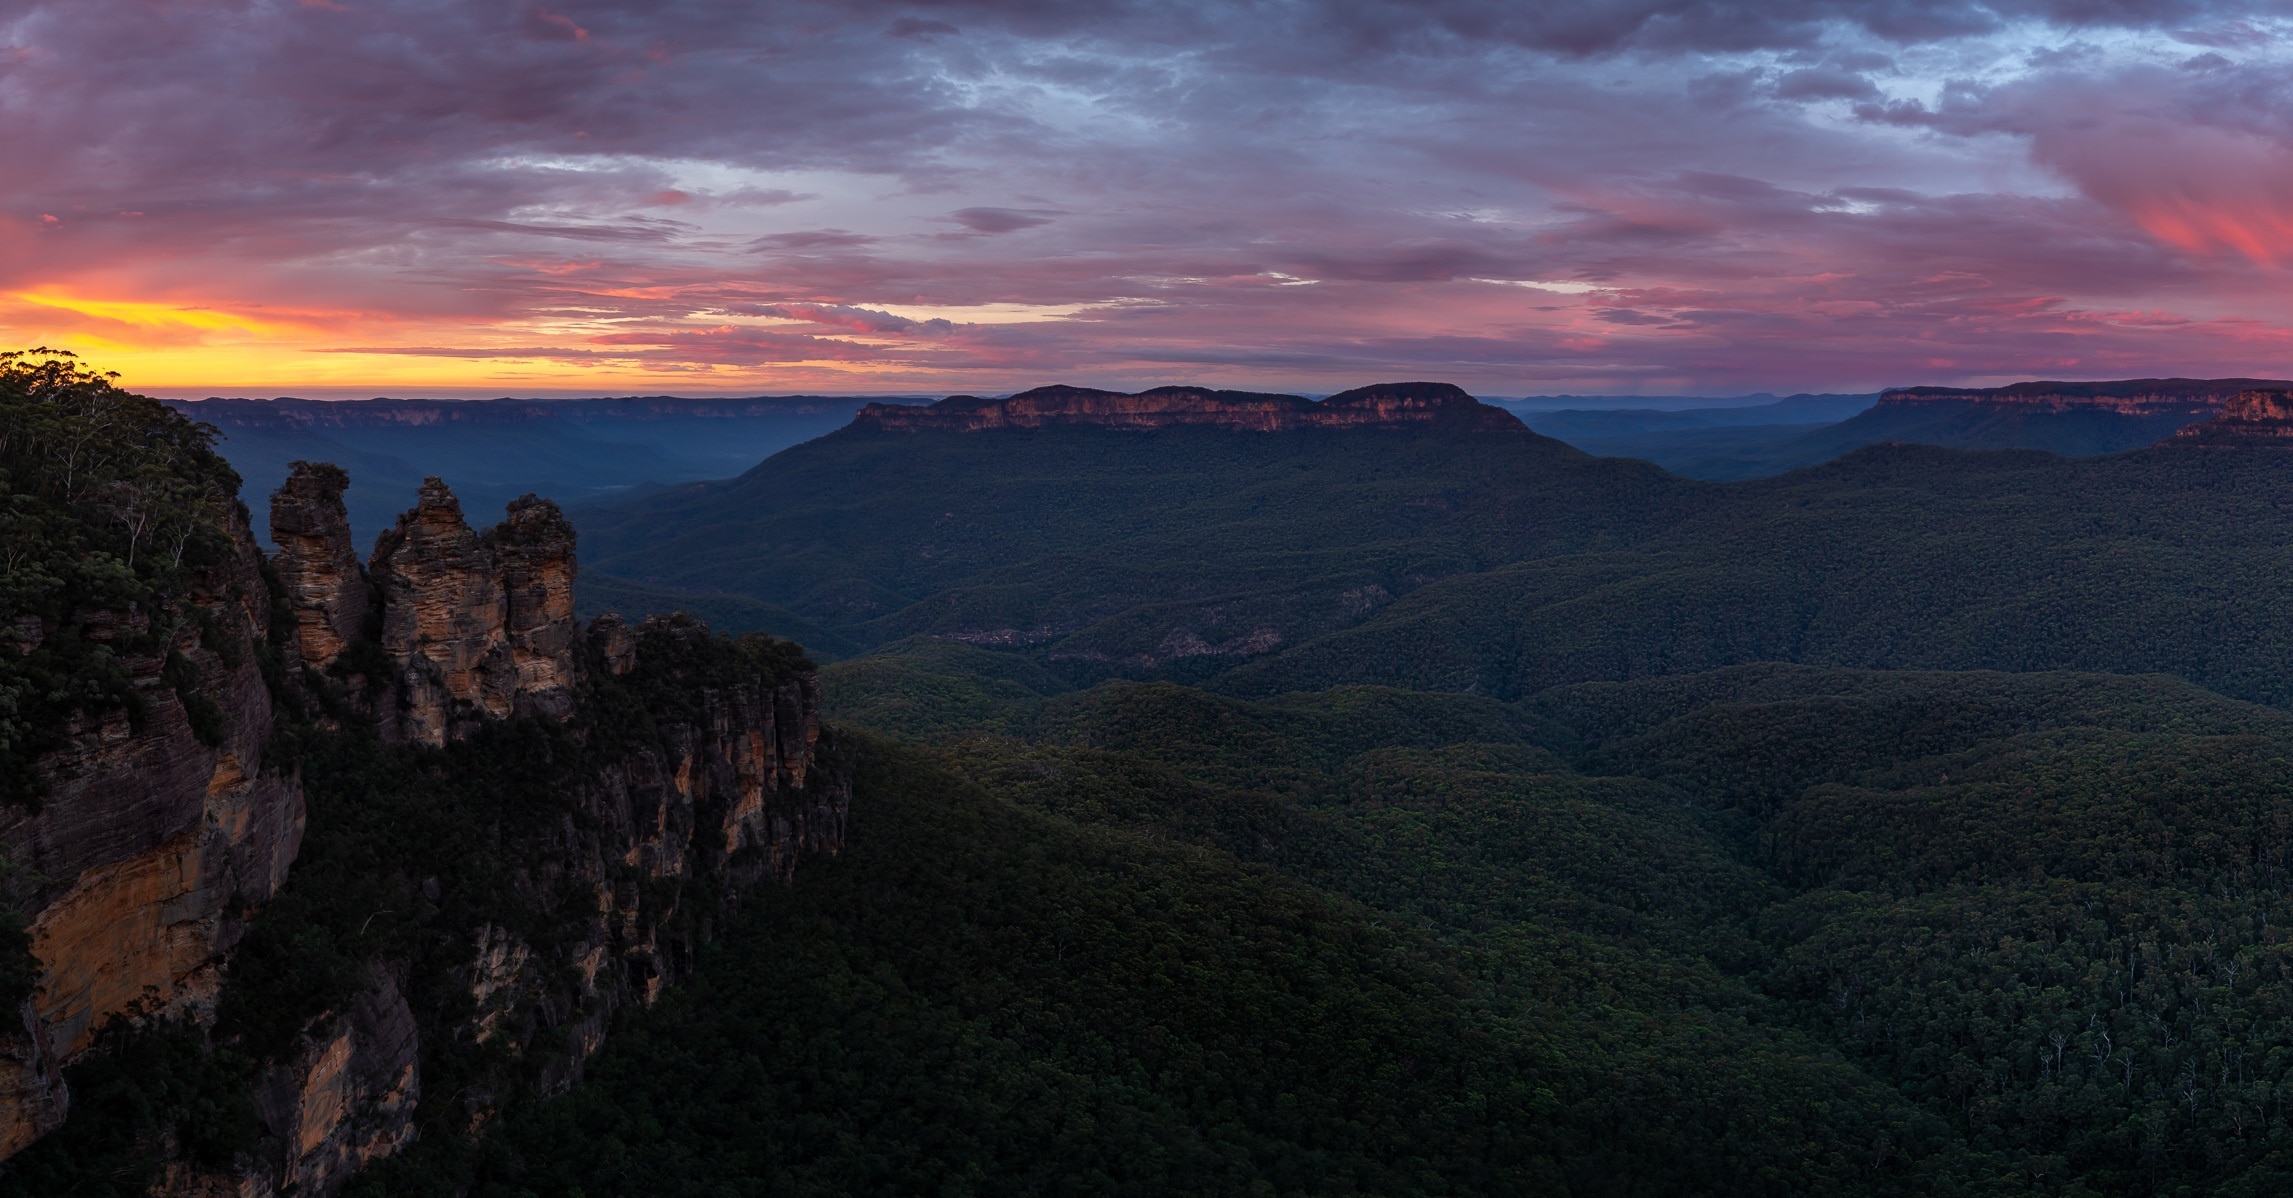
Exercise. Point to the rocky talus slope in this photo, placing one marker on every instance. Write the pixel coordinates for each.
(156, 852)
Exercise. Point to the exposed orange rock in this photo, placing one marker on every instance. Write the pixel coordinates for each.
(444, 619)
(1386, 405)
(326, 592)
(149, 848)
(2197, 398)
(349, 1098)
(478, 627)
(2261, 417)
(152, 846)
(534, 548)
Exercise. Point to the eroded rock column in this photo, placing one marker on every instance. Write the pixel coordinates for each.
(534, 546)
(444, 621)
(326, 591)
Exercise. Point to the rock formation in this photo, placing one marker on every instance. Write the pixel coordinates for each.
(533, 547)
(2259, 417)
(716, 803)
(2197, 398)
(153, 846)
(477, 627)
(348, 1100)
(1387, 405)
(317, 564)
(443, 622)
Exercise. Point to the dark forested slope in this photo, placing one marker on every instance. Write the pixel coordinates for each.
(1764, 930)
(2168, 560)
(1506, 563)
(1119, 547)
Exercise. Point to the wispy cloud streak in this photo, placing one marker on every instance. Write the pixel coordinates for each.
(1657, 195)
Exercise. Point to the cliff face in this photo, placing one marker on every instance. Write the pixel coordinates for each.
(317, 565)
(687, 769)
(652, 843)
(727, 792)
(2198, 398)
(1389, 405)
(2260, 417)
(154, 843)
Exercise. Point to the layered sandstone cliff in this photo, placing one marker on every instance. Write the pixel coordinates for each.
(2260, 417)
(651, 846)
(1387, 405)
(157, 839)
(2195, 398)
(317, 566)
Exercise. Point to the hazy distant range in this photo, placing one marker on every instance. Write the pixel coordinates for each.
(1744, 436)
(576, 451)
(585, 451)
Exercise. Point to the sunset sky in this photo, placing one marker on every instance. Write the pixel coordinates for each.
(337, 197)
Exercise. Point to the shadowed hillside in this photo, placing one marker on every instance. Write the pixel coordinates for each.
(1447, 559)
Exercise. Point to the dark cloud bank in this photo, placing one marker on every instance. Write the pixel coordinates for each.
(1644, 195)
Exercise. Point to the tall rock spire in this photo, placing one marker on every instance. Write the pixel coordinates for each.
(534, 547)
(317, 563)
(444, 618)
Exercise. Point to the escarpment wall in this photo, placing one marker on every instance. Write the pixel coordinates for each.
(139, 867)
(655, 843)
(1386, 405)
(2261, 417)
(2194, 398)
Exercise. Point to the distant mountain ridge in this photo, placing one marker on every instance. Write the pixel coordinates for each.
(2133, 397)
(2258, 417)
(493, 451)
(1380, 405)
(288, 411)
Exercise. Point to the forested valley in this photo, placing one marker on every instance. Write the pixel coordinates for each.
(1339, 811)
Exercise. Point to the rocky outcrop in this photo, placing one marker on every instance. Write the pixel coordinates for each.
(161, 835)
(533, 548)
(476, 627)
(1387, 405)
(443, 622)
(156, 840)
(2260, 417)
(726, 791)
(346, 1101)
(317, 566)
(717, 804)
(2195, 398)
(654, 846)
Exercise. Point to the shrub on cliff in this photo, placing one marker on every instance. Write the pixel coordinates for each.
(109, 504)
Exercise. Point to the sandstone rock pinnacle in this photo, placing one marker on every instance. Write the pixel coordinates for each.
(534, 547)
(444, 620)
(326, 591)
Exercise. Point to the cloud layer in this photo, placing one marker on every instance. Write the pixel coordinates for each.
(317, 196)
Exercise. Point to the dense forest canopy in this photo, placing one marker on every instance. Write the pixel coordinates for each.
(1388, 814)
(109, 504)
(1257, 564)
